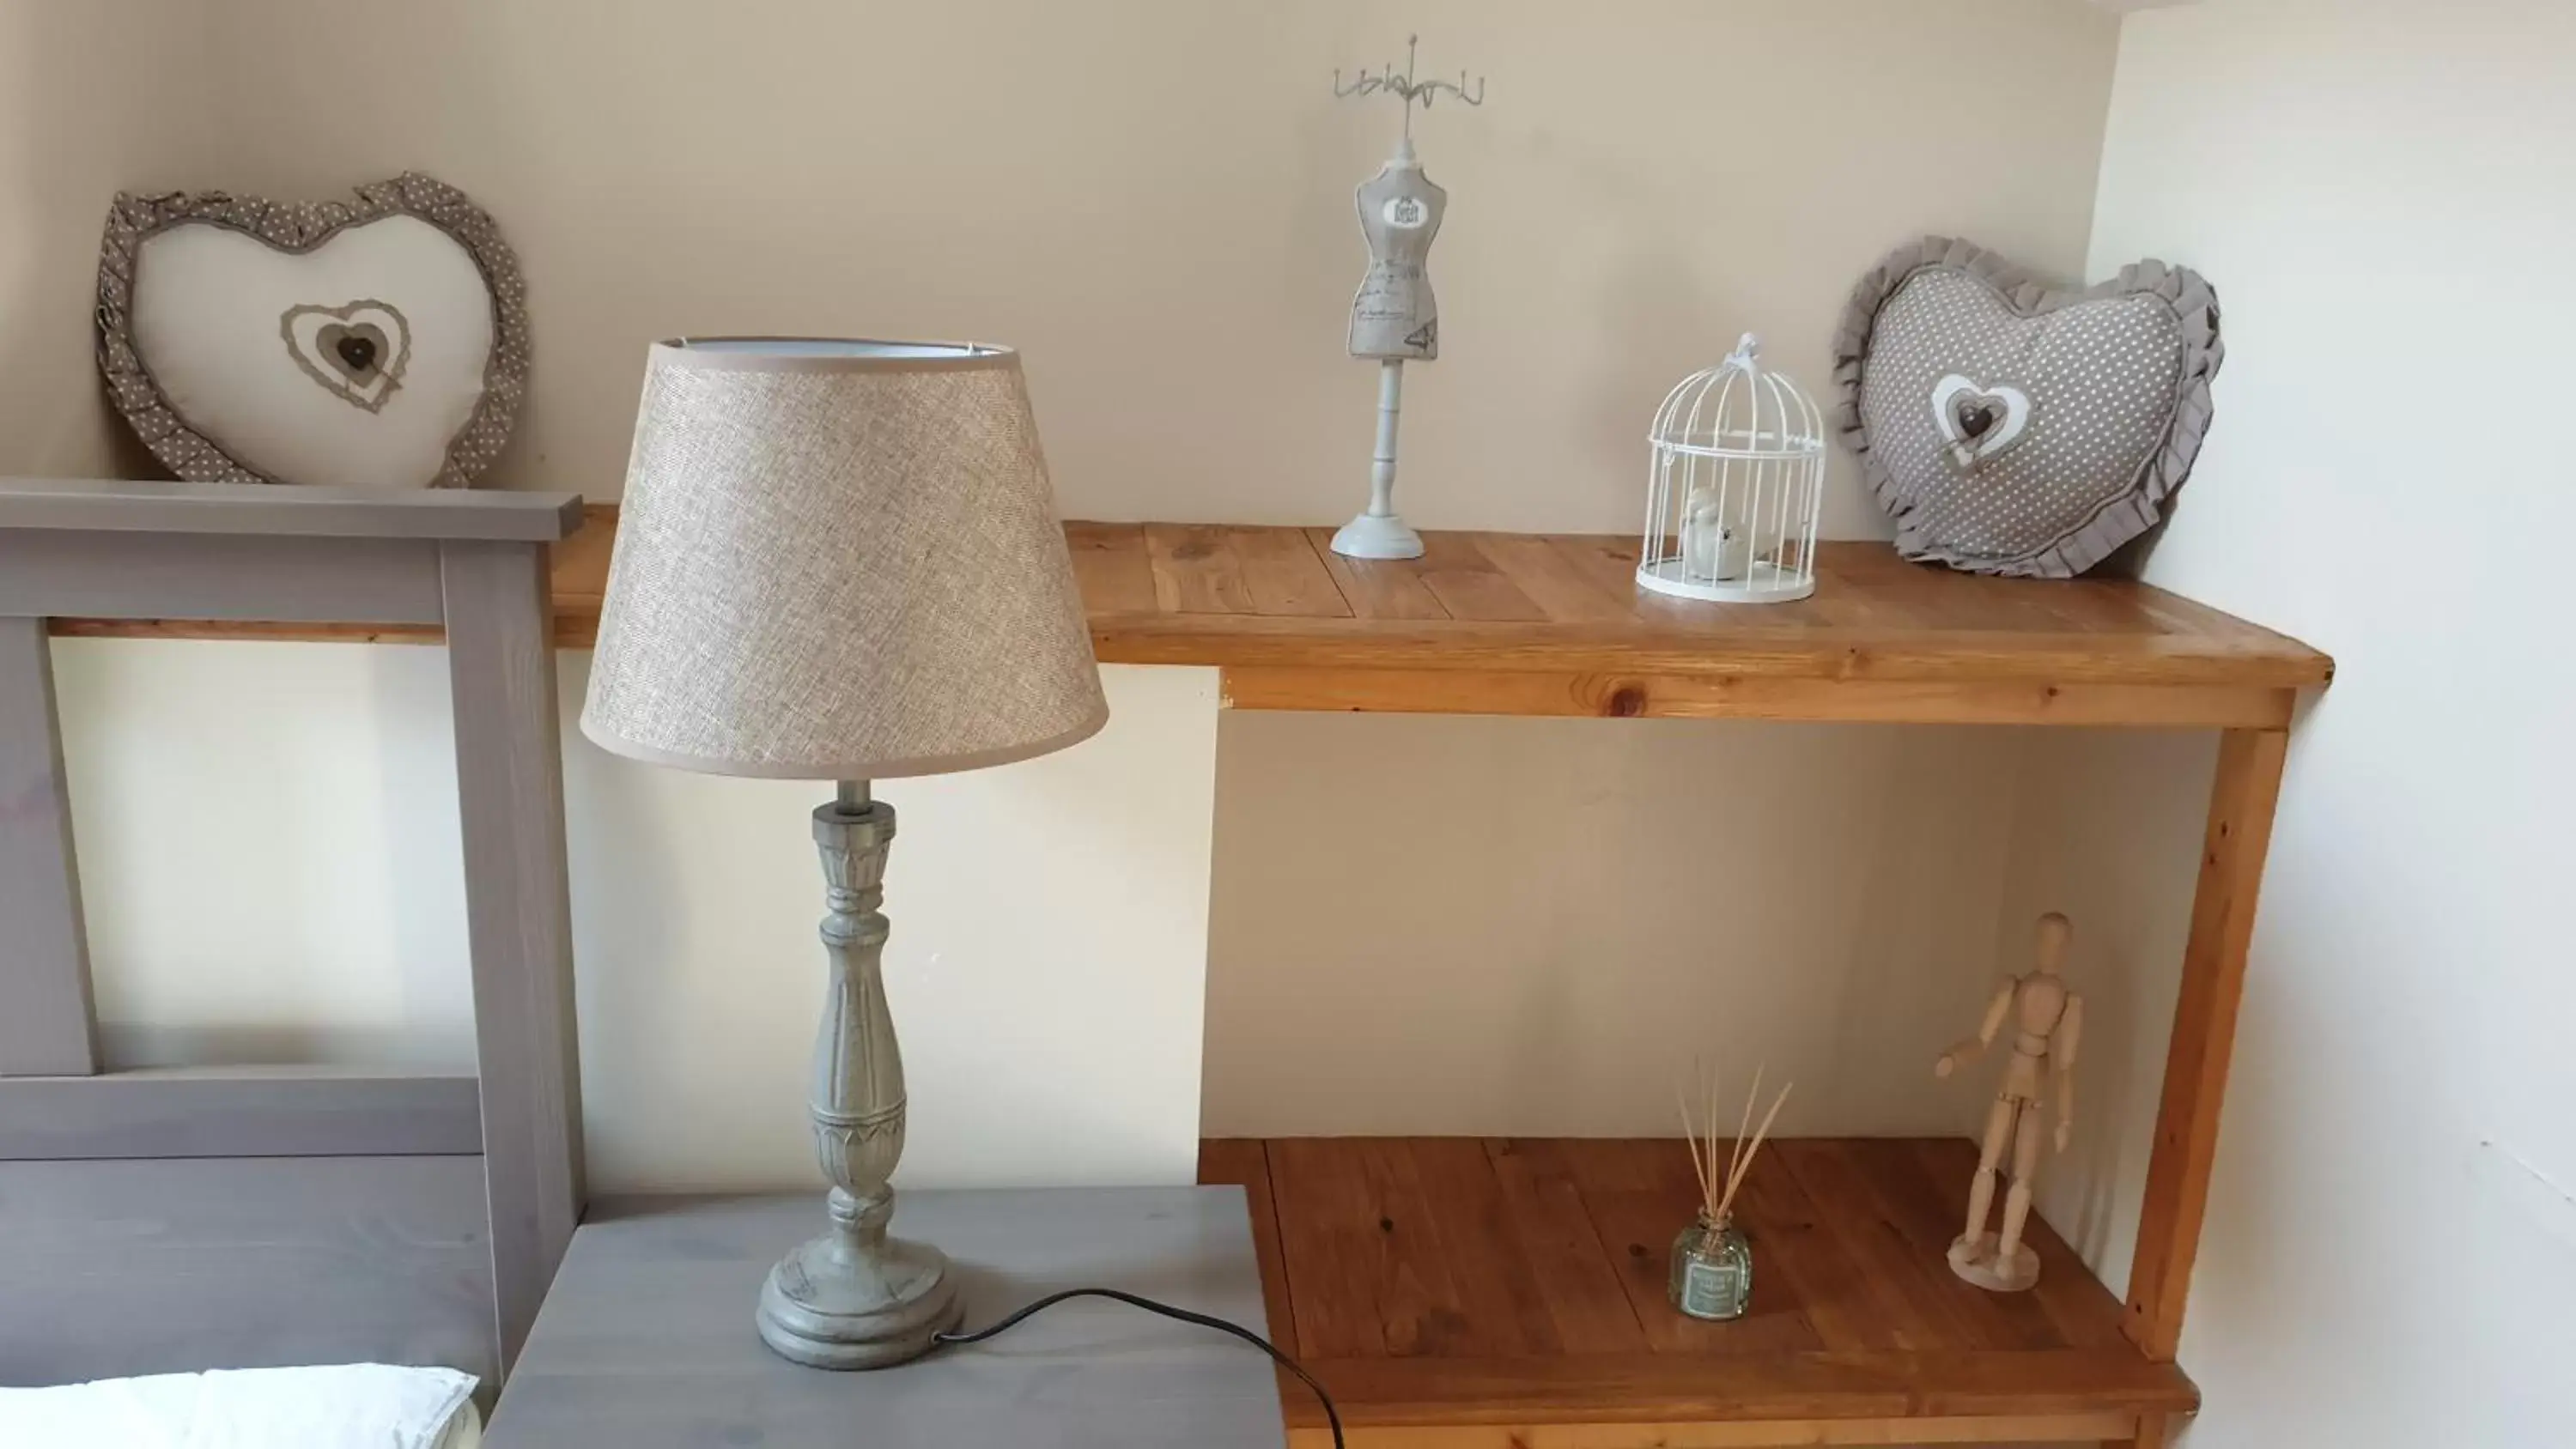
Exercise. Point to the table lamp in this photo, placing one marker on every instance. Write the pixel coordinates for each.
(840, 560)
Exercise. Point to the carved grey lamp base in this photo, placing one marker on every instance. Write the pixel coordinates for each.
(828, 1306)
(855, 1298)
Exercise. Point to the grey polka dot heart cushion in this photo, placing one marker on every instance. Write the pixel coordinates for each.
(2011, 429)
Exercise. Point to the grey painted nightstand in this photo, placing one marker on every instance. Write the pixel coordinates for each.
(646, 1340)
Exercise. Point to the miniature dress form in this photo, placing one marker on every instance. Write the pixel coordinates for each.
(1395, 317)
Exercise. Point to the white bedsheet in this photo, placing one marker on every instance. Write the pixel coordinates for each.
(347, 1406)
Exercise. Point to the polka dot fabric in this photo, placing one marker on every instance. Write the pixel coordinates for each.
(2117, 385)
(300, 227)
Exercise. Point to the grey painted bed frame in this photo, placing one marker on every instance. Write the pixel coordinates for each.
(169, 1220)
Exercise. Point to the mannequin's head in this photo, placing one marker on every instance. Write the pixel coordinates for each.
(2049, 942)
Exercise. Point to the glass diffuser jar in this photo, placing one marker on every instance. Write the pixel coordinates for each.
(1712, 1275)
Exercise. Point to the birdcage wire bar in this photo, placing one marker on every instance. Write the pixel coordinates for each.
(1735, 486)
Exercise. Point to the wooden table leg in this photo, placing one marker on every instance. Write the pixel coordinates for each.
(2241, 800)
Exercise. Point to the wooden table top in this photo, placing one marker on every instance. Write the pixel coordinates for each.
(646, 1342)
(1505, 623)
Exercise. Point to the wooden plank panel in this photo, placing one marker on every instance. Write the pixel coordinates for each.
(1926, 1216)
(1639, 1195)
(1554, 1236)
(1796, 1253)
(2082, 1311)
(1245, 1163)
(308, 512)
(1626, 696)
(1328, 1238)
(1421, 1306)
(1566, 592)
(1195, 570)
(238, 1112)
(1111, 566)
(46, 1023)
(1283, 576)
(509, 785)
(1376, 588)
(1919, 1310)
(148, 576)
(1469, 586)
(1500, 1298)
(2242, 797)
(152, 1266)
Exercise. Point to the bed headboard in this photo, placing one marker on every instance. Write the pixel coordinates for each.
(170, 1220)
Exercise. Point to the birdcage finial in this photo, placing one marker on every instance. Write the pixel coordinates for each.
(1747, 353)
(1402, 85)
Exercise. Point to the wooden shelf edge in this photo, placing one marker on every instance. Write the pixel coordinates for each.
(1691, 696)
(1800, 1388)
(1885, 646)
(2100, 1427)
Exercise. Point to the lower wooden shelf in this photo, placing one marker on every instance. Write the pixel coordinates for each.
(1508, 1293)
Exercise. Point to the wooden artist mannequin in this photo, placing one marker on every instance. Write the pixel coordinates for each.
(2047, 1019)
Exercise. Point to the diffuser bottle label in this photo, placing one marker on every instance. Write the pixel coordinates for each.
(1712, 1290)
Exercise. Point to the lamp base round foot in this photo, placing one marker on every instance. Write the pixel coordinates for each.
(828, 1308)
(1374, 536)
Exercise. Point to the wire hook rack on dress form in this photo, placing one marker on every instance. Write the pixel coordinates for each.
(1402, 85)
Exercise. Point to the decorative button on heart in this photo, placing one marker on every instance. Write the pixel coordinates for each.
(1976, 421)
(356, 351)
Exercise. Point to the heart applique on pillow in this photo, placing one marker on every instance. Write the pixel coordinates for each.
(380, 342)
(356, 352)
(2008, 428)
(1978, 422)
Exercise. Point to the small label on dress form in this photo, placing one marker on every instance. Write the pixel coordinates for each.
(1405, 211)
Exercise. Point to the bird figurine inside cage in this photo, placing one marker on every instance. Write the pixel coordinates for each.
(1736, 486)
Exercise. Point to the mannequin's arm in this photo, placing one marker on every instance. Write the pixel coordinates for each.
(2061, 1059)
(1968, 1049)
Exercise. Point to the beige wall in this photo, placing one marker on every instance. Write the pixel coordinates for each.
(94, 96)
(2382, 192)
(1152, 198)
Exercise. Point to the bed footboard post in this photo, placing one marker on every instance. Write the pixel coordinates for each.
(509, 781)
(47, 1027)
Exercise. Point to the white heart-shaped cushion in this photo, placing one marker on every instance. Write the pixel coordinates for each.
(208, 308)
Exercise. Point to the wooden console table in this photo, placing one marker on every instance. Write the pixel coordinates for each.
(1521, 624)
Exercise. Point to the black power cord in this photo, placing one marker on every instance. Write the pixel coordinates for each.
(1332, 1416)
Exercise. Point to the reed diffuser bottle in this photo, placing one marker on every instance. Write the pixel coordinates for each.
(1712, 1270)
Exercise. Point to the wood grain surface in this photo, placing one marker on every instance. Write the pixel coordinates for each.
(1499, 623)
(647, 1342)
(177, 1265)
(1465, 1293)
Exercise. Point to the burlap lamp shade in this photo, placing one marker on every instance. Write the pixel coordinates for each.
(839, 561)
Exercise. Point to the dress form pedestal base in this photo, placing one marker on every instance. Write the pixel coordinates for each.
(1975, 1262)
(1373, 535)
(857, 1301)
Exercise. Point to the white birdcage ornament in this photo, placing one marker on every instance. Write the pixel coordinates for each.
(1736, 486)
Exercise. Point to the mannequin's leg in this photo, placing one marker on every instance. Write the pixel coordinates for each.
(1981, 1192)
(2017, 1201)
